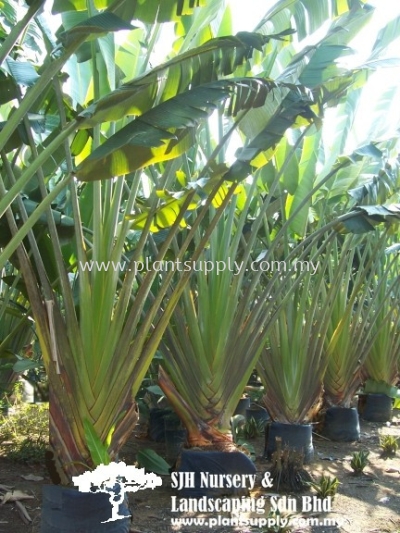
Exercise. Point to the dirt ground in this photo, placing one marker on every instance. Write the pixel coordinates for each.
(368, 503)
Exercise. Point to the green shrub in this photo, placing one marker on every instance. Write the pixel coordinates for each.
(326, 486)
(24, 432)
(251, 429)
(278, 527)
(389, 445)
(359, 461)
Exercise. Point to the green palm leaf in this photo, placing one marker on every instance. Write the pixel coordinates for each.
(147, 10)
(201, 65)
(97, 25)
(318, 63)
(386, 35)
(144, 139)
(306, 16)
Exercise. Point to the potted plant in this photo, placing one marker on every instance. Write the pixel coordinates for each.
(181, 341)
(293, 361)
(207, 335)
(220, 323)
(293, 365)
(381, 366)
(99, 327)
(257, 412)
(354, 267)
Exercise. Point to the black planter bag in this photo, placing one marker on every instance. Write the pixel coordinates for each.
(174, 442)
(243, 404)
(377, 408)
(258, 413)
(67, 510)
(214, 463)
(157, 424)
(296, 437)
(342, 424)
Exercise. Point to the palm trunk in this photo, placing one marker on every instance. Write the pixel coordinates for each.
(200, 433)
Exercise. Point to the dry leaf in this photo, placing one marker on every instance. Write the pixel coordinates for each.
(23, 513)
(15, 495)
(5, 488)
(32, 477)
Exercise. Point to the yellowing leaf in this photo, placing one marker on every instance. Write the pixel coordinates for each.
(85, 152)
(263, 158)
(220, 196)
(127, 159)
(241, 194)
(181, 177)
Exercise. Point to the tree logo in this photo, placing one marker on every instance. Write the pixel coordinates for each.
(115, 479)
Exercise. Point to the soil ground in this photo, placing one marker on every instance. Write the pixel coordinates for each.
(368, 503)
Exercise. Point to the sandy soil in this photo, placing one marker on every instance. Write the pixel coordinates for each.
(368, 503)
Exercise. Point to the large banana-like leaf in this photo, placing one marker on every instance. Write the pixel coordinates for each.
(295, 109)
(316, 67)
(94, 26)
(321, 61)
(217, 57)
(306, 16)
(377, 119)
(165, 215)
(365, 218)
(385, 37)
(307, 170)
(144, 139)
(147, 10)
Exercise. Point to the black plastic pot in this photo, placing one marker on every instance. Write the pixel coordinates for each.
(156, 423)
(67, 510)
(376, 407)
(260, 414)
(294, 436)
(201, 462)
(254, 380)
(342, 424)
(174, 442)
(244, 403)
(174, 436)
